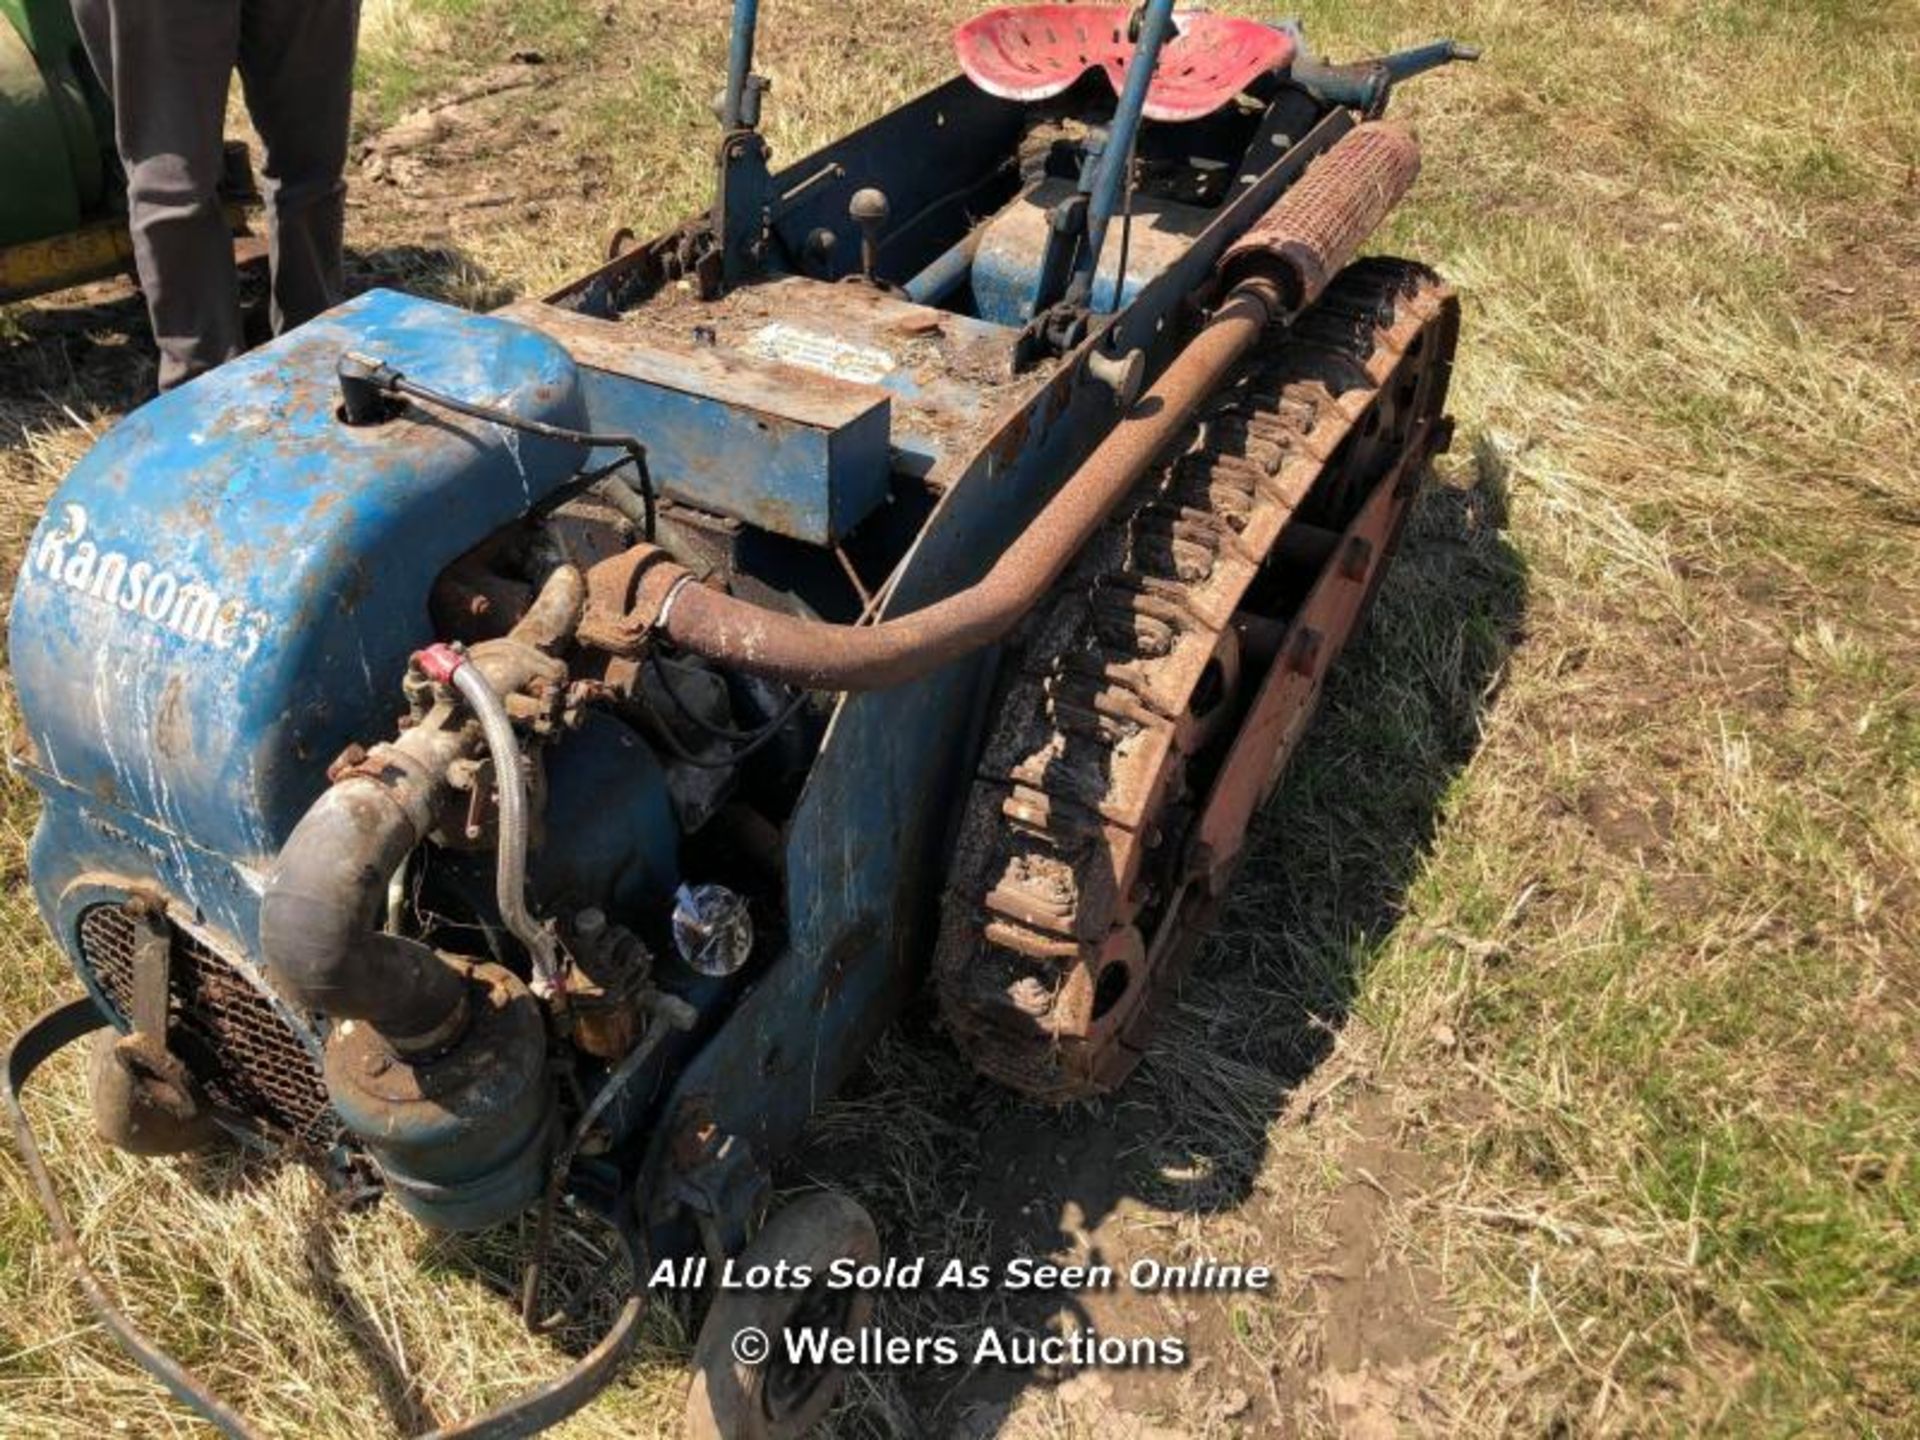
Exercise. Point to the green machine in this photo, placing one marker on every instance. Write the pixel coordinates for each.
(56, 130)
(62, 203)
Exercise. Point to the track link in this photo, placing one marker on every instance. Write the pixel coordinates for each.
(1076, 893)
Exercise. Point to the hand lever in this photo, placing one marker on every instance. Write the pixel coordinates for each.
(869, 210)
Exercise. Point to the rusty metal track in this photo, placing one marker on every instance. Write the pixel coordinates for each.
(1154, 701)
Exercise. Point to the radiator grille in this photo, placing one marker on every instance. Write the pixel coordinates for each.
(227, 1032)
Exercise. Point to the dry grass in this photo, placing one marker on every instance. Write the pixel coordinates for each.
(1563, 1045)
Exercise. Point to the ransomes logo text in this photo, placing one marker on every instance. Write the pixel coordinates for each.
(188, 608)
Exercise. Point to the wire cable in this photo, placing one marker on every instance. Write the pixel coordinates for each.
(362, 376)
(753, 741)
(636, 452)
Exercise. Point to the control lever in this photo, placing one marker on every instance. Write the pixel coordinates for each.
(869, 210)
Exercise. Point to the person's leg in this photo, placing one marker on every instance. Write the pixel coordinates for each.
(296, 62)
(167, 67)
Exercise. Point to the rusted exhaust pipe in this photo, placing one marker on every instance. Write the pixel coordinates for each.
(1279, 267)
(650, 593)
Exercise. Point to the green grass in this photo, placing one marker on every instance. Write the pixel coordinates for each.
(413, 50)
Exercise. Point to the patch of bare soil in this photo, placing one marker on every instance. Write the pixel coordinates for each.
(1375, 1321)
(1866, 283)
(1625, 823)
(481, 154)
(1344, 1340)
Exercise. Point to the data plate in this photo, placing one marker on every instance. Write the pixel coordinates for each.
(823, 354)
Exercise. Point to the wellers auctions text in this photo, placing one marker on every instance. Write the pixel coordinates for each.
(1020, 1274)
(870, 1349)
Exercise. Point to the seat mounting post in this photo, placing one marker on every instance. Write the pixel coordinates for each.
(738, 109)
(1109, 177)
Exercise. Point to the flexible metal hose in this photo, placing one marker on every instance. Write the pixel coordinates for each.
(510, 781)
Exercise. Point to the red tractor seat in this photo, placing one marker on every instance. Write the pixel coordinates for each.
(1029, 52)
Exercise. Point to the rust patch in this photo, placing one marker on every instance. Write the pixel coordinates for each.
(171, 733)
(1318, 225)
(838, 964)
(694, 1133)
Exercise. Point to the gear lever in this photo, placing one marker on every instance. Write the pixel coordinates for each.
(869, 210)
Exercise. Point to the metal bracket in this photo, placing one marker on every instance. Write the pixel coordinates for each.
(152, 968)
(740, 210)
(718, 1181)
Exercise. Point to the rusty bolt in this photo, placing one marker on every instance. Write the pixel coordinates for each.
(1358, 559)
(695, 1142)
(1304, 655)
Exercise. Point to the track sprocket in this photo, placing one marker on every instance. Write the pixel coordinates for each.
(1154, 698)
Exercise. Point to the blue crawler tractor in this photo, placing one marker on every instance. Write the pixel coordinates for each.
(522, 761)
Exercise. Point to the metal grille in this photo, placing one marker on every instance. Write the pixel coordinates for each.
(228, 1033)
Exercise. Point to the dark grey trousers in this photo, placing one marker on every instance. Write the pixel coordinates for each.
(167, 64)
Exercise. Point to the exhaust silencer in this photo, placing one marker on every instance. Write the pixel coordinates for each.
(1316, 228)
